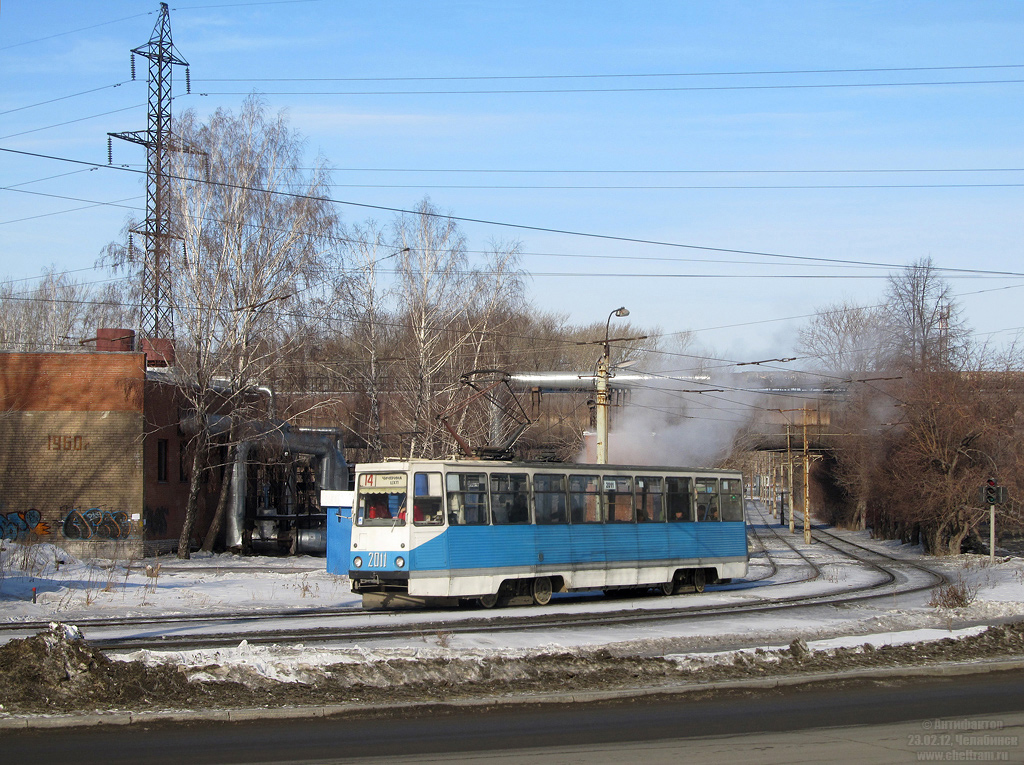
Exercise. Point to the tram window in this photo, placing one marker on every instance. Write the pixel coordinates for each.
(732, 500)
(618, 492)
(467, 499)
(510, 498)
(549, 498)
(677, 500)
(650, 500)
(381, 499)
(585, 499)
(707, 499)
(427, 499)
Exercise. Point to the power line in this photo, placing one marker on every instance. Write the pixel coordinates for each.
(65, 272)
(242, 5)
(150, 13)
(64, 98)
(553, 343)
(71, 122)
(80, 29)
(52, 177)
(721, 187)
(615, 75)
(520, 226)
(91, 206)
(631, 258)
(667, 89)
(91, 202)
(695, 171)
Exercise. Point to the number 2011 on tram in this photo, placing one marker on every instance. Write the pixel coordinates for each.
(444, 532)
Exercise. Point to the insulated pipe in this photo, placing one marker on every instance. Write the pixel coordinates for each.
(323, 443)
(235, 519)
(272, 404)
(217, 424)
(573, 381)
(332, 473)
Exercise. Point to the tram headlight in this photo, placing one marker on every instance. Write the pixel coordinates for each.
(357, 562)
(400, 561)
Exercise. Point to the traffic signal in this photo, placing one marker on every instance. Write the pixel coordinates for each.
(991, 492)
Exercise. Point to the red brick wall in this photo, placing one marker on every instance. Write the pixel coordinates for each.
(71, 435)
(71, 382)
(165, 499)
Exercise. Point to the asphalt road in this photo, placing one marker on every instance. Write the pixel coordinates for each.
(958, 719)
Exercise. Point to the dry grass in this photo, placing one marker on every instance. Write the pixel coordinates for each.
(958, 594)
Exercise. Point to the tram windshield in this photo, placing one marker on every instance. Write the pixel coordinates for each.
(732, 500)
(381, 499)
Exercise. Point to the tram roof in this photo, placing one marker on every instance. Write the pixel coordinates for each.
(406, 464)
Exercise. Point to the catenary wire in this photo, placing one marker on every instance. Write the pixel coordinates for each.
(505, 224)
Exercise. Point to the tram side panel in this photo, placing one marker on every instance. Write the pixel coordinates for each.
(470, 561)
(439, 555)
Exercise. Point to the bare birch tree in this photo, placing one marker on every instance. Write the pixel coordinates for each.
(845, 338)
(255, 231)
(925, 329)
(58, 312)
(846, 341)
(365, 298)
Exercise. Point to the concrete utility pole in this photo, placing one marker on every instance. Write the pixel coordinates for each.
(779, 496)
(807, 487)
(603, 373)
(789, 472)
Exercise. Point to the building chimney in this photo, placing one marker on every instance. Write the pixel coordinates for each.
(159, 351)
(114, 340)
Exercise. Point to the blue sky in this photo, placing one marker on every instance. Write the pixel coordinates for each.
(682, 159)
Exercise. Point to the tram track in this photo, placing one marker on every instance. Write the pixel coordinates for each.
(767, 525)
(348, 625)
(136, 621)
(893, 580)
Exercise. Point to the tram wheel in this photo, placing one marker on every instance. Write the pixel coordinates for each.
(699, 580)
(541, 591)
(667, 588)
(488, 601)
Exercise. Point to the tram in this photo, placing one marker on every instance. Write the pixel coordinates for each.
(435, 532)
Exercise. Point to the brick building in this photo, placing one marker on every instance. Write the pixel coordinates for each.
(91, 455)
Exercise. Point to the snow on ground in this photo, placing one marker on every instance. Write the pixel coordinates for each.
(70, 590)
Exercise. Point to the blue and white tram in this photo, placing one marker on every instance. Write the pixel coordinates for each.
(435, 531)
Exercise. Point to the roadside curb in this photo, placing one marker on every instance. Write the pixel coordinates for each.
(16, 722)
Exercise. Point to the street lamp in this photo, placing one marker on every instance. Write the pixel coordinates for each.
(603, 373)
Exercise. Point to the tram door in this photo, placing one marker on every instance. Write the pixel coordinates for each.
(551, 516)
(427, 533)
(620, 530)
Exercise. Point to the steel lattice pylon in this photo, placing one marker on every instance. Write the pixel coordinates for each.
(156, 315)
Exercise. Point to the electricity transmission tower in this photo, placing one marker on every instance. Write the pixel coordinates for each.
(156, 319)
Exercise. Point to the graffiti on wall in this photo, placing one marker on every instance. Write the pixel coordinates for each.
(96, 523)
(16, 527)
